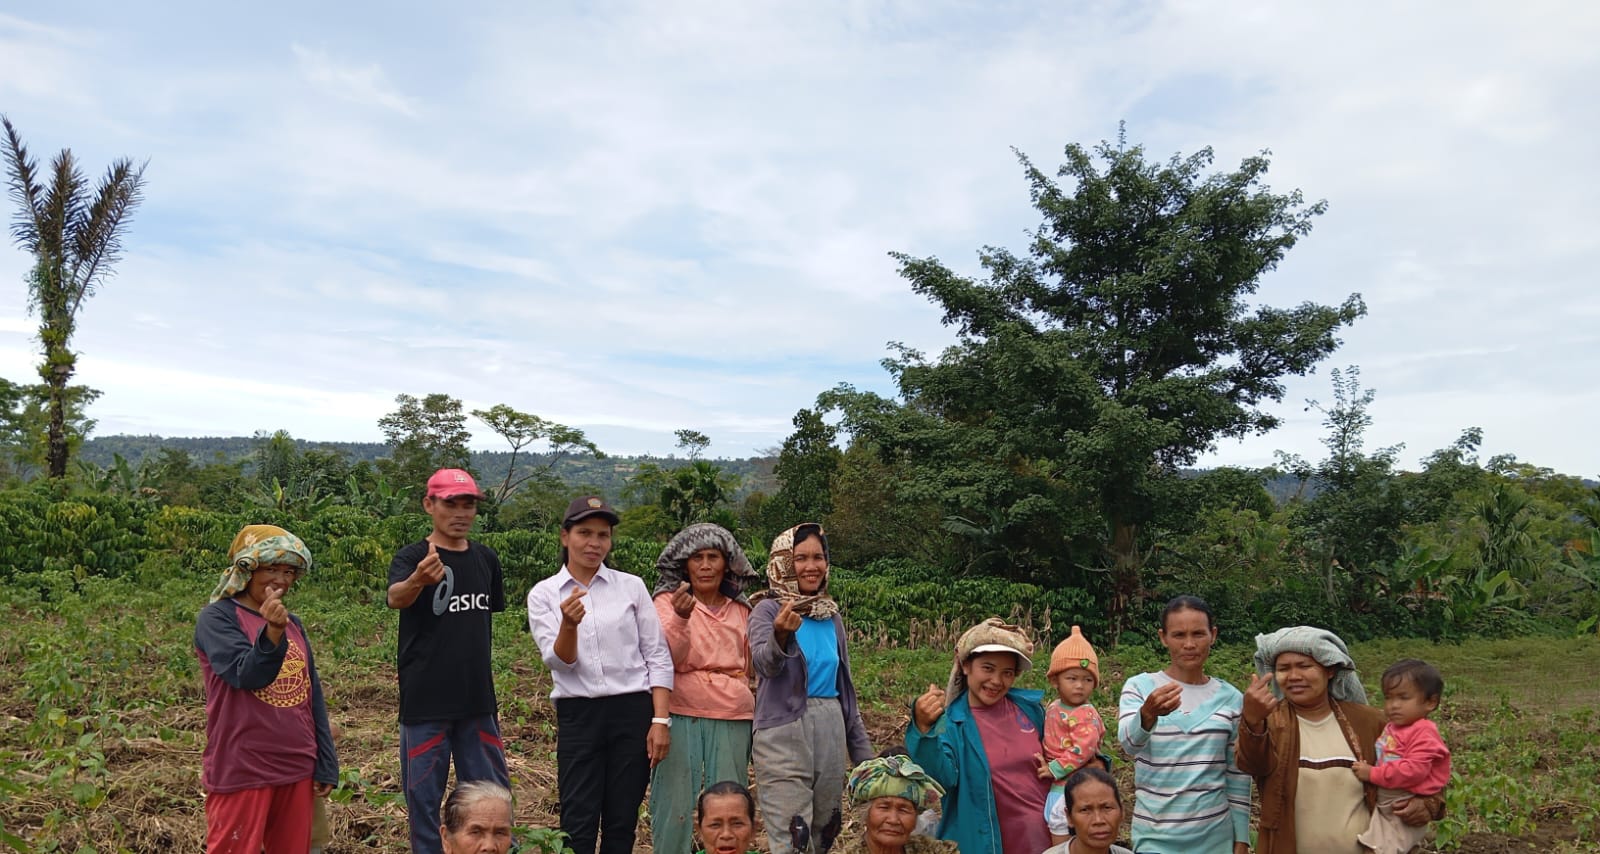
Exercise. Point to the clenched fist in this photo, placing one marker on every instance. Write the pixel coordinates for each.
(572, 609)
(683, 600)
(1162, 701)
(1259, 701)
(928, 707)
(430, 570)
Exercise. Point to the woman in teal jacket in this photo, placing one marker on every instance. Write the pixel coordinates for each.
(980, 738)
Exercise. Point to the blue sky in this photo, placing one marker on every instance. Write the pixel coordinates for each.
(636, 217)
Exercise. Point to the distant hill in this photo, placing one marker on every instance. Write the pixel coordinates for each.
(607, 476)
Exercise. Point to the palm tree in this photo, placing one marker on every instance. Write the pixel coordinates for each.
(75, 236)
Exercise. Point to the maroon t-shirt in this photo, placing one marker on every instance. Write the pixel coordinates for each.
(260, 730)
(1011, 741)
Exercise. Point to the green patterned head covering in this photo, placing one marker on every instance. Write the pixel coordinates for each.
(259, 545)
(894, 777)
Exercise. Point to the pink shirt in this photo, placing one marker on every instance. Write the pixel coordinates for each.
(710, 660)
(1071, 736)
(1412, 758)
(1010, 741)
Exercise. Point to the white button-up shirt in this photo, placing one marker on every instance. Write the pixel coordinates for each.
(621, 649)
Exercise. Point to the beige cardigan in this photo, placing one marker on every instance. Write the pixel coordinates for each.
(1273, 759)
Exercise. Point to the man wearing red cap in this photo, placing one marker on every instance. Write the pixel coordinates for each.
(447, 589)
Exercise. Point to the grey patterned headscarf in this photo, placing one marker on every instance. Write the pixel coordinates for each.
(1321, 645)
(704, 535)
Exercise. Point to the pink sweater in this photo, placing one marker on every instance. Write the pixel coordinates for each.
(1412, 758)
(710, 660)
(1071, 737)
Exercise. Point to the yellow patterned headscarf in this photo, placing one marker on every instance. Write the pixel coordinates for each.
(894, 777)
(258, 545)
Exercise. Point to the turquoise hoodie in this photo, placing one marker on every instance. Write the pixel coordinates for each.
(952, 753)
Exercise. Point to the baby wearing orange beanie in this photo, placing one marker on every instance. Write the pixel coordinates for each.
(1072, 725)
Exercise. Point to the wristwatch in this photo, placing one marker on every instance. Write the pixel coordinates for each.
(666, 722)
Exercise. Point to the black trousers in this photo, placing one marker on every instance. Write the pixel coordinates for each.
(602, 769)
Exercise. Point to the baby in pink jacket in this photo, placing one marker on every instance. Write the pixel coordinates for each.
(1412, 758)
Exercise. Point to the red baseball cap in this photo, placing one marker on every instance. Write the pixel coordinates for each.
(449, 483)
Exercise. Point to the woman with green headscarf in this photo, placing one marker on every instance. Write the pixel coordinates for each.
(269, 750)
(889, 793)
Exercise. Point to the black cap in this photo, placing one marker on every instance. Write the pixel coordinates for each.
(585, 506)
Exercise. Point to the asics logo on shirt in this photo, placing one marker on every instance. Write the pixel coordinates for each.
(445, 602)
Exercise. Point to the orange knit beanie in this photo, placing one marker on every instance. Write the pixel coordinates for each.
(1075, 651)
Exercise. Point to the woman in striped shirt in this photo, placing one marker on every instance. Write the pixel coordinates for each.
(1181, 727)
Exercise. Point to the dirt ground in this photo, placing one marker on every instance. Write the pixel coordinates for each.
(156, 797)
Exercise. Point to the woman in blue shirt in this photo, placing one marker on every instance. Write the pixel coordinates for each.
(807, 730)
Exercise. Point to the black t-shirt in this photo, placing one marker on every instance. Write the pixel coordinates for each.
(445, 635)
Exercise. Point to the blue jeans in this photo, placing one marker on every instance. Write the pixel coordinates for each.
(425, 752)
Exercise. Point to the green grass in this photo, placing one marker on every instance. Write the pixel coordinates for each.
(102, 718)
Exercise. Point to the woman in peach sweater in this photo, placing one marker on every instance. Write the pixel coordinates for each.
(704, 614)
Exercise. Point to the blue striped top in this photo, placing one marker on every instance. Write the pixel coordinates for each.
(1189, 796)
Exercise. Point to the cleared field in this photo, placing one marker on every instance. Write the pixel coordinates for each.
(102, 717)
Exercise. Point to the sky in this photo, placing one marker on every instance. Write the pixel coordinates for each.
(639, 217)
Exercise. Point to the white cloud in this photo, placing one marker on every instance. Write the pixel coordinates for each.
(695, 203)
(364, 84)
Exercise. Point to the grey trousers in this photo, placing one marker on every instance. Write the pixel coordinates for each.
(800, 772)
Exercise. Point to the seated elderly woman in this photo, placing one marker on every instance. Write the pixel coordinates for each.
(889, 793)
(476, 819)
(725, 819)
(1094, 812)
(1305, 724)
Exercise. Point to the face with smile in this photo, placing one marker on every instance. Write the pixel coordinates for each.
(1188, 636)
(1405, 704)
(453, 516)
(485, 830)
(724, 824)
(705, 569)
(989, 676)
(587, 542)
(890, 821)
(268, 576)
(1302, 680)
(1095, 815)
(810, 566)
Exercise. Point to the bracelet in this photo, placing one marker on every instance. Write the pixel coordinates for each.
(666, 722)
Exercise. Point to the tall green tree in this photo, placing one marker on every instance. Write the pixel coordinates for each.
(522, 430)
(424, 436)
(1353, 519)
(692, 442)
(75, 236)
(1122, 344)
(807, 463)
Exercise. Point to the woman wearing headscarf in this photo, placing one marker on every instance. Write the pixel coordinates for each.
(269, 751)
(980, 738)
(1305, 724)
(704, 614)
(806, 721)
(889, 793)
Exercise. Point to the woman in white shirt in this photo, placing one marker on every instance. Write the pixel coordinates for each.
(600, 636)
